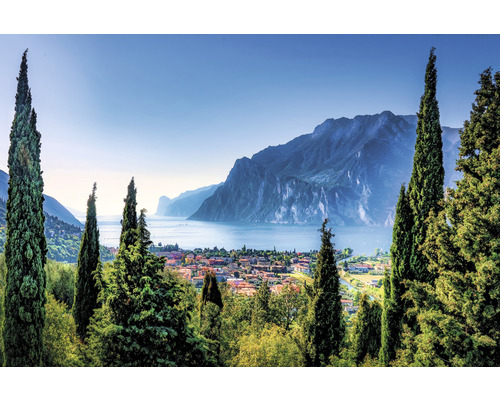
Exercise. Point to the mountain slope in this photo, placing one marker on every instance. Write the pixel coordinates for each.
(349, 170)
(51, 206)
(186, 203)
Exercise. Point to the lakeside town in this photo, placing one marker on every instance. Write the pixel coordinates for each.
(245, 270)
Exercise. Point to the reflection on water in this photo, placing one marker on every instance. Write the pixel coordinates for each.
(194, 234)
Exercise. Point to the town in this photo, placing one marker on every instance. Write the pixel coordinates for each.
(244, 270)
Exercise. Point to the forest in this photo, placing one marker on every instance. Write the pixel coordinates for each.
(441, 299)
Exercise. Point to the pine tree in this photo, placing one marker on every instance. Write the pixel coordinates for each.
(459, 316)
(25, 247)
(393, 314)
(324, 326)
(427, 179)
(88, 271)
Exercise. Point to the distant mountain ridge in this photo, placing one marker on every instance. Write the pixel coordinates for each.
(51, 206)
(186, 203)
(347, 170)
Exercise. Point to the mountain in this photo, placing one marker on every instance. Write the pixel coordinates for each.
(349, 170)
(186, 203)
(51, 206)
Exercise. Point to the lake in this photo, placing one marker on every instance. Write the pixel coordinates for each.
(260, 236)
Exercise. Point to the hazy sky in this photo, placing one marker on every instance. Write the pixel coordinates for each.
(176, 111)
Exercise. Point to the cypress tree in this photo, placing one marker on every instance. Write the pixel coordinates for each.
(324, 324)
(87, 271)
(460, 314)
(25, 247)
(128, 234)
(261, 313)
(393, 313)
(366, 329)
(210, 313)
(427, 179)
(143, 322)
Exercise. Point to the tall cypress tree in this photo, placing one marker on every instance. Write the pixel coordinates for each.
(393, 313)
(324, 323)
(427, 179)
(128, 234)
(25, 247)
(460, 314)
(87, 271)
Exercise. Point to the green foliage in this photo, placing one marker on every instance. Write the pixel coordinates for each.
(88, 271)
(458, 316)
(394, 306)
(60, 343)
(61, 281)
(272, 347)
(324, 326)
(365, 333)
(3, 274)
(261, 313)
(143, 322)
(210, 308)
(25, 247)
(425, 189)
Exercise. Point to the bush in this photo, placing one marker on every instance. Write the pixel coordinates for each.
(60, 344)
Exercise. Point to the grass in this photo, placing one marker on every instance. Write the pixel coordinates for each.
(302, 278)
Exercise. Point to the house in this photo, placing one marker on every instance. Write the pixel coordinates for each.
(301, 268)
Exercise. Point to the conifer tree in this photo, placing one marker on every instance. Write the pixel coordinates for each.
(261, 313)
(427, 179)
(128, 234)
(25, 247)
(210, 312)
(459, 316)
(88, 271)
(366, 329)
(142, 323)
(324, 326)
(393, 314)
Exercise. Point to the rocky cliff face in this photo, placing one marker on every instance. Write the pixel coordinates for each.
(186, 203)
(349, 170)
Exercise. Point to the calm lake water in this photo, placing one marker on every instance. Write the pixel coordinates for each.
(193, 234)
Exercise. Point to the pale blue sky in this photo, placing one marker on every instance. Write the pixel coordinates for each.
(176, 111)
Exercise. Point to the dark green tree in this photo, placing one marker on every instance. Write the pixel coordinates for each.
(25, 247)
(88, 271)
(261, 313)
(143, 322)
(393, 314)
(459, 315)
(210, 313)
(324, 326)
(128, 236)
(425, 189)
(365, 336)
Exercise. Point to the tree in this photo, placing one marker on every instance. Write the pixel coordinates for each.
(425, 189)
(210, 309)
(88, 269)
(366, 329)
(458, 315)
(393, 313)
(128, 234)
(25, 247)
(261, 314)
(143, 322)
(324, 325)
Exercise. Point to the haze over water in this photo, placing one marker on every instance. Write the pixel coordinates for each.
(200, 234)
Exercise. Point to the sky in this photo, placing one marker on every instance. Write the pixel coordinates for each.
(176, 111)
